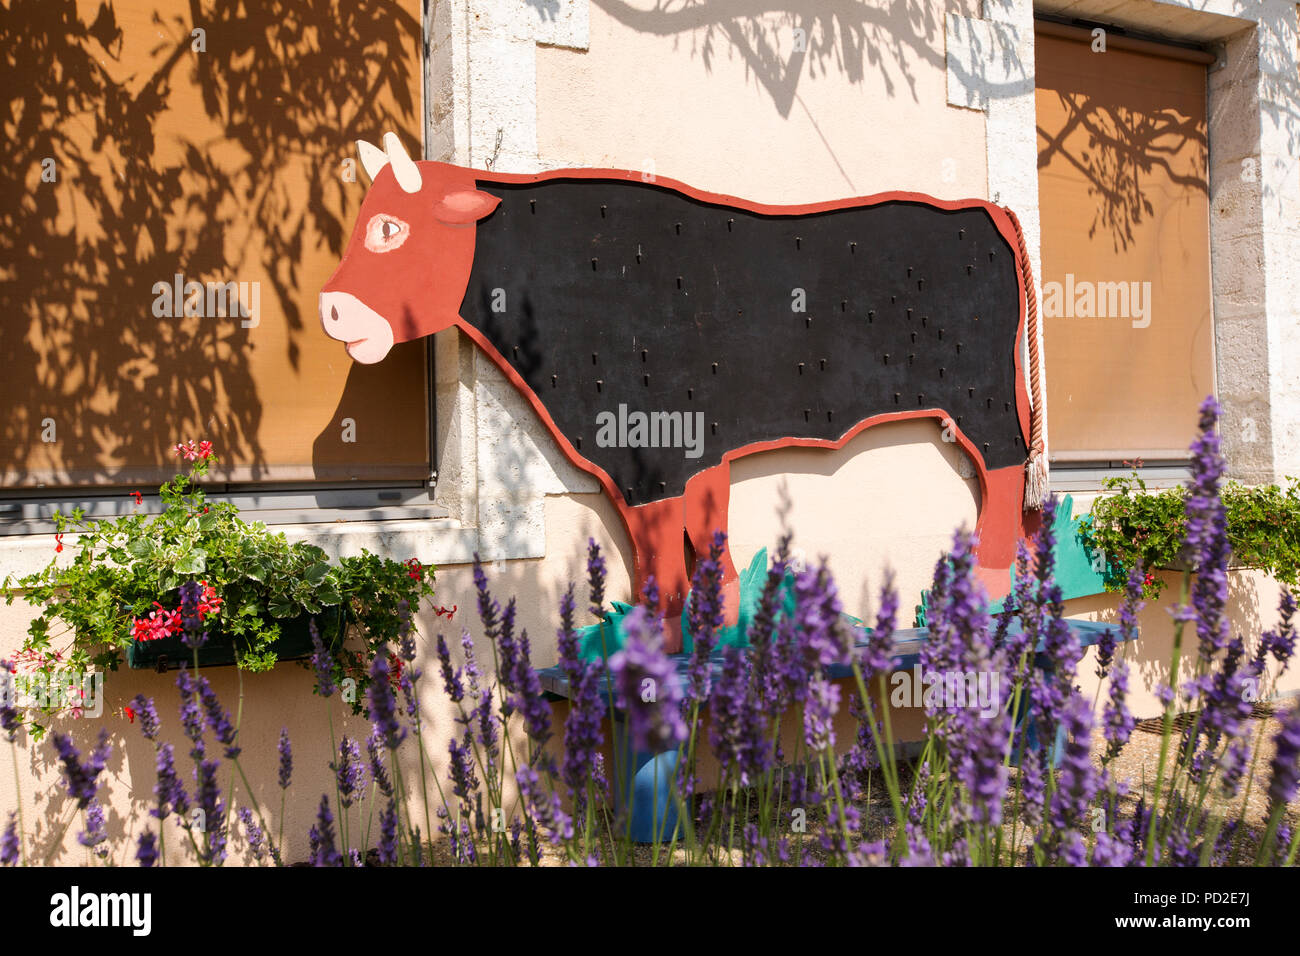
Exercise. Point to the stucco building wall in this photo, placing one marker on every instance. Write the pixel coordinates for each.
(777, 108)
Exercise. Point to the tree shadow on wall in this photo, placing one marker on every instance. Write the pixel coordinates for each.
(1127, 144)
(170, 161)
(892, 39)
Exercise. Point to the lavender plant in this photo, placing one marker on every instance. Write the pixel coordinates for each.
(783, 747)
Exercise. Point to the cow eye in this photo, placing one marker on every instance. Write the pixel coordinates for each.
(384, 233)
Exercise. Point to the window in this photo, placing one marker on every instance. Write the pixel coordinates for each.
(1124, 200)
(183, 190)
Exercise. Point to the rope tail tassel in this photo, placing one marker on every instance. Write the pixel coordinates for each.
(1036, 475)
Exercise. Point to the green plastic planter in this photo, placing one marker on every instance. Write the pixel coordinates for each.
(294, 643)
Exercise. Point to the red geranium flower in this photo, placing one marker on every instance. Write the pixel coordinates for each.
(139, 498)
(193, 451)
(58, 543)
(164, 623)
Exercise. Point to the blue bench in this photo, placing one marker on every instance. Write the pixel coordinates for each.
(649, 786)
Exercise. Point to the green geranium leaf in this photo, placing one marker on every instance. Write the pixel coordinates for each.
(282, 606)
(140, 547)
(195, 562)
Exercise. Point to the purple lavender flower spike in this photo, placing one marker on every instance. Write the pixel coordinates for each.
(582, 732)
(1285, 765)
(464, 781)
(322, 661)
(451, 678)
(383, 706)
(862, 757)
(80, 779)
(596, 578)
(1119, 723)
(146, 850)
(1232, 766)
(819, 715)
(650, 594)
(9, 845)
(96, 831)
(191, 709)
(286, 759)
(488, 608)
(1077, 781)
(705, 616)
(349, 772)
(980, 766)
(405, 632)
(324, 853)
(916, 802)
(218, 719)
(1105, 653)
(820, 630)
(148, 714)
(10, 719)
(737, 730)
(1285, 637)
(566, 636)
(763, 633)
(919, 853)
(207, 797)
(545, 808)
(508, 649)
(1033, 788)
(195, 636)
(406, 682)
(378, 771)
(1111, 851)
(647, 685)
(169, 791)
(253, 832)
(877, 656)
(388, 834)
(1132, 603)
(529, 697)
(1207, 534)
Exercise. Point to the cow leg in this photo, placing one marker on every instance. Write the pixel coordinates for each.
(1002, 522)
(656, 530)
(708, 496)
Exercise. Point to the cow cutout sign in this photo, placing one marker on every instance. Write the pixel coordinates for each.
(661, 332)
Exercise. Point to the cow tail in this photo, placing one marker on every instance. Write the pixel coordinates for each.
(1036, 477)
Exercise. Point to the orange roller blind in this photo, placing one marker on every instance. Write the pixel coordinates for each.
(155, 143)
(1124, 198)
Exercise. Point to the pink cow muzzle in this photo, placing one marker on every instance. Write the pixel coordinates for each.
(366, 334)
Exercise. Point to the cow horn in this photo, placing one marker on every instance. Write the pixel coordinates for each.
(373, 159)
(404, 168)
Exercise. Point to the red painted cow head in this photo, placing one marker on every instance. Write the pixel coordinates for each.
(404, 272)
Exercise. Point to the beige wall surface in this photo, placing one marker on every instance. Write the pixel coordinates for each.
(726, 101)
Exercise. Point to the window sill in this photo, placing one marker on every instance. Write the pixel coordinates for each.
(435, 541)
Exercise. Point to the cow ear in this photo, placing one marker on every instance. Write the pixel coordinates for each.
(373, 159)
(460, 207)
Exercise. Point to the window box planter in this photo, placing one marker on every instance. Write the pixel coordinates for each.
(1180, 563)
(261, 590)
(221, 649)
(1129, 524)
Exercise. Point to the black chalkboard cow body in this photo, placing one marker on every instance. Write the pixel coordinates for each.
(661, 332)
